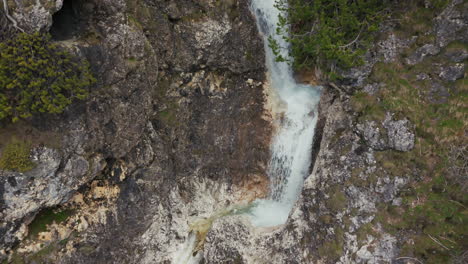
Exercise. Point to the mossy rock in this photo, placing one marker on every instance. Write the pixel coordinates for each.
(337, 200)
(47, 217)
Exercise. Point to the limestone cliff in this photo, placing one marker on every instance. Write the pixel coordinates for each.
(177, 129)
(178, 103)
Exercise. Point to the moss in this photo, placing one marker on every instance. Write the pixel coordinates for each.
(333, 249)
(363, 232)
(134, 22)
(337, 200)
(43, 254)
(45, 218)
(368, 107)
(326, 219)
(15, 156)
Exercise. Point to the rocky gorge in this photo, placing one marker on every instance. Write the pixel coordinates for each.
(178, 128)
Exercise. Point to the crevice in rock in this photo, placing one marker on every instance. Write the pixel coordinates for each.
(326, 100)
(71, 21)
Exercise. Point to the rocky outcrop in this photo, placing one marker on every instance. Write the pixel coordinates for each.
(175, 134)
(179, 100)
(344, 212)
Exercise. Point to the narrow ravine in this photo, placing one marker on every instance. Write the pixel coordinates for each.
(295, 117)
(291, 146)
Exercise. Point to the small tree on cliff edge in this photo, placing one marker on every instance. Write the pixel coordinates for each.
(37, 76)
(327, 33)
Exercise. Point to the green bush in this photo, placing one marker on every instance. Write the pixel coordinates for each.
(15, 156)
(327, 33)
(37, 76)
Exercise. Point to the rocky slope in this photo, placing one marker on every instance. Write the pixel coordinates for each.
(390, 170)
(176, 130)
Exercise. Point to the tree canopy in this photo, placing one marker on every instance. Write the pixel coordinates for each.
(327, 33)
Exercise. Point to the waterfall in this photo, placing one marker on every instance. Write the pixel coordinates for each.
(185, 254)
(291, 146)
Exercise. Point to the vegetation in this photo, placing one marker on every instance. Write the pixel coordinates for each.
(37, 76)
(47, 217)
(15, 156)
(327, 33)
(434, 210)
(433, 214)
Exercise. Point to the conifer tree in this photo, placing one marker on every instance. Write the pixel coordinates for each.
(37, 76)
(327, 33)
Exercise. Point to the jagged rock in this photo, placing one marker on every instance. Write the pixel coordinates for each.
(382, 250)
(36, 16)
(452, 23)
(373, 135)
(457, 55)
(389, 48)
(400, 136)
(372, 88)
(179, 122)
(453, 72)
(422, 52)
(225, 241)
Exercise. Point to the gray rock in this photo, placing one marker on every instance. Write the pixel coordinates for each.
(452, 24)
(453, 72)
(457, 55)
(373, 135)
(421, 53)
(225, 241)
(438, 93)
(400, 135)
(372, 88)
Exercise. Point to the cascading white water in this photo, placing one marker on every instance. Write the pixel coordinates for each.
(291, 146)
(185, 253)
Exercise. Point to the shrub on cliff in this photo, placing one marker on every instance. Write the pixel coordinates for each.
(327, 33)
(15, 156)
(37, 76)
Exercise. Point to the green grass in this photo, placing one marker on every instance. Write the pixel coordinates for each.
(434, 213)
(45, 218)
(15, 156)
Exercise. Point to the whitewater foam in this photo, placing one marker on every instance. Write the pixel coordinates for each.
(292, 144)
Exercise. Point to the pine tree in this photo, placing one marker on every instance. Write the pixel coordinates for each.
(37, 76)
(327, 33)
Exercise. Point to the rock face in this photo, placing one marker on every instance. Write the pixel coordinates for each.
(173, 106)
(342, 211)
(176, 133)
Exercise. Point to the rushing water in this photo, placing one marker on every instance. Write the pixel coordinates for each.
(291, 146)
(290, 149)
